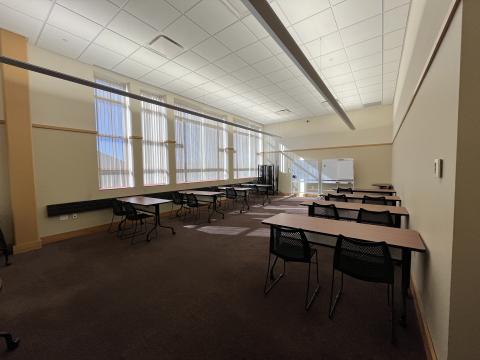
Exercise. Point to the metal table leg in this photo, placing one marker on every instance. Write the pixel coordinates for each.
(157, 223)
(406, 263)
(215, 209)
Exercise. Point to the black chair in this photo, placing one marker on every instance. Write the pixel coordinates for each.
(136, 217)
(118, 211)
(193, 205)
(323, 211)
(374, 200)
(177, 199)
(345, 190)
(333, 197)
(11, 342)
(383, 218)
(5, 249)
(290, 245)
(366, 261)
(231, 194)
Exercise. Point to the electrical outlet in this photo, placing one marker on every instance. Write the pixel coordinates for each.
(63, 217)
(74, 216)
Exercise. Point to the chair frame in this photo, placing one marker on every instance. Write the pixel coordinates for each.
(271, 280)
(340, 198)
(135, 217)
(122, 216)
(179, 201)
(374, 200)
(5, 249)
(311, 211)
(386, 212)
(191, 209)
(344, 190)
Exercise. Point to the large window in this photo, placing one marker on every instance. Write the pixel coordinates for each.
(154, 145)
(200, 148)
(247, 152)
(114, 148)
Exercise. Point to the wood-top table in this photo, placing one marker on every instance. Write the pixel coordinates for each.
(266, 186)
(147, 202)
(391, 199)
(243, 190)
(211, 194)
(396, 211)
(404, 239)
(383, 186)
(372, 191)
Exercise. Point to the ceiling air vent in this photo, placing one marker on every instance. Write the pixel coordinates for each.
(376, 103)
(283, 111)
(165, 46)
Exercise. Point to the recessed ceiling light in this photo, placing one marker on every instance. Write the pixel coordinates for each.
(165, 46)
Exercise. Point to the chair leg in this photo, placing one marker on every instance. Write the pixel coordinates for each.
(111, 223)
(337, 297)
(12, 343)
(394, 338)
(309, 301)
(270, 280)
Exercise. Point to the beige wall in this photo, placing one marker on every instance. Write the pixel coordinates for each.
(5, 210)
(429, 132)
(66, 162)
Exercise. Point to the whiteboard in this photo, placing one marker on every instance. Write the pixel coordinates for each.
(337, 170)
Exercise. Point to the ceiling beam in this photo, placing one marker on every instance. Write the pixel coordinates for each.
(274, 26)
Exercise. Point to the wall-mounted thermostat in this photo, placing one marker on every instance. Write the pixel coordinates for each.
(438, 167)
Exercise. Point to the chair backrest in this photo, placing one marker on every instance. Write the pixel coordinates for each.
(324, 211)
(129, 209)
(369, 261)
(332, 197)
(375, 217)
(375, 200)
(231, 193)
(118, 207)
(177, 198)
(345, 190)
(289, 244)
(192, 200)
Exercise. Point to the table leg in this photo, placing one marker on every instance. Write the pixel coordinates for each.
(215, 209)
(157, 223)
(245, 202)
(406, 263)
(397, 221)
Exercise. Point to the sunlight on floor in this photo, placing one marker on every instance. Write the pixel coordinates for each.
(263, 232)
(223, 230)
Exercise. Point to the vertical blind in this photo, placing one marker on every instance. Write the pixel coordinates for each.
(114, 148)
(270, 150)
(154, 146)
(247, 152)
(200, 148)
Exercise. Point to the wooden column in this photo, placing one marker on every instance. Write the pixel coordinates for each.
(16, 100)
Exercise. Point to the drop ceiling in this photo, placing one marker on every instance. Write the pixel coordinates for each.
(228, 60)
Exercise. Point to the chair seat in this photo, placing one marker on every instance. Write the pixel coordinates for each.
(293, 253)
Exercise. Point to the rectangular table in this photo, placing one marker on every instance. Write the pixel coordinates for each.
(375, 191)
(396, 211)
(244, 191)
(147, 202)
(266, 186)
(406, 240)
(392, 199)
(212, 194)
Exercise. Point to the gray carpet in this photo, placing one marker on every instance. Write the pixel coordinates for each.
(194, 295)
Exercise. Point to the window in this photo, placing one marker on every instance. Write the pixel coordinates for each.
(247, 156)
(154, 146)
(200, 148)
(271, 153)
(114, 148)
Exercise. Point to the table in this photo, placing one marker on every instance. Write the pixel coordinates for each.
(396, 211)
(260, 186)
(242, 190)
(391, 199)
(404, 239)
(212, 194)
(146, 202)
(372, 191)
(383, 186)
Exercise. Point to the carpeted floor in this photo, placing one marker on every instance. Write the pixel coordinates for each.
(194, 295)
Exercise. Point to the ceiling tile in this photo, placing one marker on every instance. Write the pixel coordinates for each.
(272, 45)
(157, 78)
(259, 82)
(185, 32)
(230, 63)
(368, 72)
(148, 58)
(211, 15)
(177, 86)
(190, 60)
(20, 23)
(343, 79)
(227, 81)
(255, 27)
(211, 72)
(279, 12)
(392, 54)
(362, 31)
(119, 3)
(174, 69)
(337, 70)
(195, 79)
(157, 13)
(246, 73)
(395, 19)
(390, 67)
(268, 65)
(365, 48)
(98, 55)
(132, 69)
(37, 9)
(391, 76)
(183, 5)
(332, 59)
(211, 49)
(374, 80)
(325, 44)
(61, 42)
(393, 39)
(236, 36)
(132, 28)
(100, 11)
(299, 10)
(390, 4)
(316, 26)
(112, 41)
(366, 62)
(210, 87)
(73, 23)
(254, 53)
(350, 12)
(279, 75)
